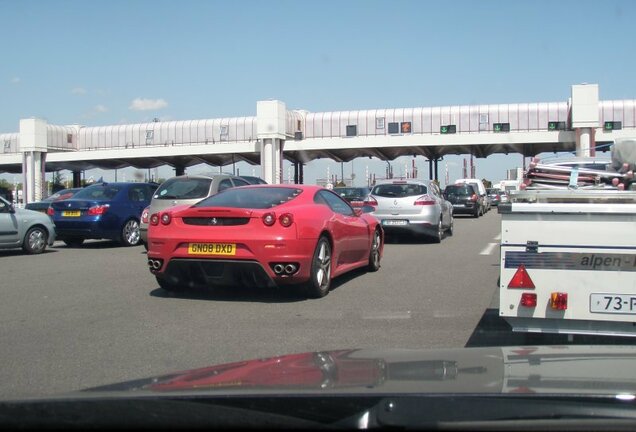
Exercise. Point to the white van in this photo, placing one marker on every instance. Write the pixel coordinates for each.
(480, 188)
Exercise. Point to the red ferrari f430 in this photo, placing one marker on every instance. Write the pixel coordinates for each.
(265, 235)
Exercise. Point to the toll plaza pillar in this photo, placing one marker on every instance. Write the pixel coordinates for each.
(585, 117)
(77, 179)
(179, 170)
(33, 146)
(271, 119)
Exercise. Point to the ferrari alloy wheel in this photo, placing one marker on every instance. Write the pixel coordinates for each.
(35, 241)
(130, 233)
(320, 277)
(374, 254)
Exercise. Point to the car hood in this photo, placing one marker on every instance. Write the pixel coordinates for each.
(576, 370)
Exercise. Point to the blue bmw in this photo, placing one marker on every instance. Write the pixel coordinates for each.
(102, 211)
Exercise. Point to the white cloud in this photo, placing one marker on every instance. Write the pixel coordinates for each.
(15, 80)
(78, 91)
(100, 109)
(141, 104)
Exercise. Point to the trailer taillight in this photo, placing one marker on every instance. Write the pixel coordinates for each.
(529, 300)
(521, 279)
(559, 301)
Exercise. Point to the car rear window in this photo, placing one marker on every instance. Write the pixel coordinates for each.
(184, 188)
(251, 197)
(399, 190)
(99, 192)
(459, 190)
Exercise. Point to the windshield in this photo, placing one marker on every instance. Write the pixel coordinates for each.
(260, 179)
(184, 188)
(251, 198)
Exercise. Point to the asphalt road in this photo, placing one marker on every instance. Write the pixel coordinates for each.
(89, 316)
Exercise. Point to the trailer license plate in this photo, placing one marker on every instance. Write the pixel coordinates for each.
(613, 303)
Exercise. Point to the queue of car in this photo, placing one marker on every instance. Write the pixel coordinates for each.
(222, 229)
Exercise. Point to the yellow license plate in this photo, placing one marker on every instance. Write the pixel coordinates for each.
(211, 249)
(72, 213)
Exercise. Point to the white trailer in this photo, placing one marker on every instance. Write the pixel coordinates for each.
(568, 262)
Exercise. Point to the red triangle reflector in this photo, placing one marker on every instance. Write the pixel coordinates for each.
(521, 279)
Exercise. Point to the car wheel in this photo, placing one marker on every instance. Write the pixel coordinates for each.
(35, 240)
(145, 245)
(450, 228)
(130, 233)
(164, 284)
(74, 241)
(440, 232)
(320, 272)
(374, 254)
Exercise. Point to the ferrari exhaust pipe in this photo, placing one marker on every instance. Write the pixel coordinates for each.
(290, 268)
(154, 264)
(279, 268)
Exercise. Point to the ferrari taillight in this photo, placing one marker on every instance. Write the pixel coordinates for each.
(154, 219)
(165, 218)
(269, 219)
(286, 219)
(50, 211)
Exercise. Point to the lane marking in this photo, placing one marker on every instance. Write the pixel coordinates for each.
(488, 249)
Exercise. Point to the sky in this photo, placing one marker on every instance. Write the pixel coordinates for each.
(114, 62)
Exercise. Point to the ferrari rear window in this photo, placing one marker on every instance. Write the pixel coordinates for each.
(393, 190)
(251, 197)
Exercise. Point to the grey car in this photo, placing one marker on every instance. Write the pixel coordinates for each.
(27, 229)
(412, 207)
(186, 189)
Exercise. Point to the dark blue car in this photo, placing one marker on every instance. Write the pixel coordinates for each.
(102, 211)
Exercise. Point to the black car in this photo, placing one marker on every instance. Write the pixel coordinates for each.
(465, 199)
(355, 195)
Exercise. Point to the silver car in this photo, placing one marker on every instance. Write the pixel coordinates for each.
(186, 189)
(412, 206)
(27, 229)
